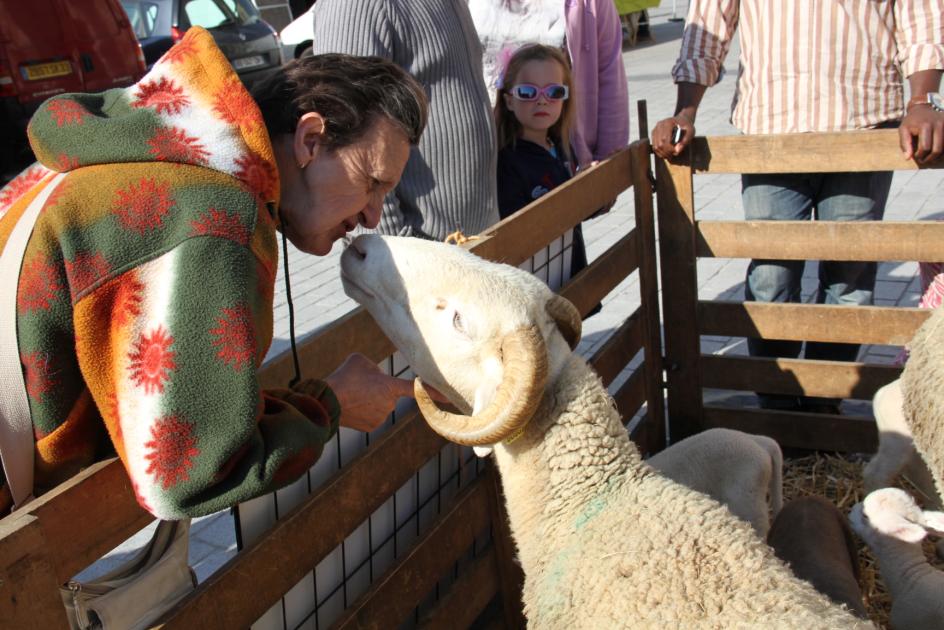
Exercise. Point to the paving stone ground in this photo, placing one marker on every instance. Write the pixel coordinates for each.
(319, 300)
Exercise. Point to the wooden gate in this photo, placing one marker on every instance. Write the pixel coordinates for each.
(684, 238)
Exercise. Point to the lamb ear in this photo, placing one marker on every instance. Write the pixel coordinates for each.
(567, 318)
(897, 526)
(909, 532)
(934, 521)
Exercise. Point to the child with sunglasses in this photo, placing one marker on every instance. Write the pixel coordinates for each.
(534, 114)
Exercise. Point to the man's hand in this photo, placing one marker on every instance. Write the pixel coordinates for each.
(366, 394)
(921, 134)
(662, 143)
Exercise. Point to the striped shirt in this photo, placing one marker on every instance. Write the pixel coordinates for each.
(813, 65)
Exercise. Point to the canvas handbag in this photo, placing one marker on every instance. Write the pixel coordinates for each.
(157, 577)
(141, 590)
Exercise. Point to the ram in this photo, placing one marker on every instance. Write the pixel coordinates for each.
(603, 539)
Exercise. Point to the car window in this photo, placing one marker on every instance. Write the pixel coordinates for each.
(143, 17)
(215, 13)
(209, 13)
(247, 11)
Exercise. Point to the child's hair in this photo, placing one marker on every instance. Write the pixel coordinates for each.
(507, 124)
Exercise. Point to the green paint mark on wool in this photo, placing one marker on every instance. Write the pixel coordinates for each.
(593, 508)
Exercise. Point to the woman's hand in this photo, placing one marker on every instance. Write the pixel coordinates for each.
(366, 394)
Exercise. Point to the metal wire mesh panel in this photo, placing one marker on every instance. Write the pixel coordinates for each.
(317, 600)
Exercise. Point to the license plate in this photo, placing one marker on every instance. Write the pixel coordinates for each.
(46, 70)
(249, 62)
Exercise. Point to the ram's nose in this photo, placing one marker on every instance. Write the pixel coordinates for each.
(359, 247)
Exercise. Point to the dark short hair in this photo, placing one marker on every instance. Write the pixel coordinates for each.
(351, 93)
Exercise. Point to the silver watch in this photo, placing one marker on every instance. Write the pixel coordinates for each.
(936, 101)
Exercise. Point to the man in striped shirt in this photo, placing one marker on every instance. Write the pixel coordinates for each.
(814, 66)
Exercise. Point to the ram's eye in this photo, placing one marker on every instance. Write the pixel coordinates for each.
(457, 322)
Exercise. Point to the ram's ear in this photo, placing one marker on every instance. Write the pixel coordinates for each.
(567, 318)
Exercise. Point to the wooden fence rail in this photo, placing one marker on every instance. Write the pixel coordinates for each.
(685, 238)
(63, 531)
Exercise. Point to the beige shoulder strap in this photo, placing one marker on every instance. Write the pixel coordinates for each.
(16, 426)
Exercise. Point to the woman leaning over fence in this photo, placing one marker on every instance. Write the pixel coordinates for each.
(144, 302)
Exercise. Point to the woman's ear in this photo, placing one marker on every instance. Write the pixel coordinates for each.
(309, 134)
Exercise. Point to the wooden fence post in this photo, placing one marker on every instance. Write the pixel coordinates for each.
(649, 297)
(676, 203)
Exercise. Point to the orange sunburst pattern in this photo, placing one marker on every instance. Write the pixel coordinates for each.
(39, 374)
(152, 360)
(258, 174)
(65, 162)
(234, 105)
(163, 95)
(67, 112)
(172, 144)
(234, 337)
(85, 269)
(181, 52)
(128, 297)
(172, 449)
(220, 223)
(143, 207)
(19, 185)
(39, 285)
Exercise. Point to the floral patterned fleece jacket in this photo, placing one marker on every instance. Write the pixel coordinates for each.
(144, 303)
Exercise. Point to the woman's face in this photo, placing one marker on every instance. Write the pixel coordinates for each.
(341, 189)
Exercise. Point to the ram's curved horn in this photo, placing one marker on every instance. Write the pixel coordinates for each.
(567, 317)
(524, 360)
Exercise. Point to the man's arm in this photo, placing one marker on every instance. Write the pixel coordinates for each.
(920, 40)
(686, 108)
(706, 41)
(922, 129)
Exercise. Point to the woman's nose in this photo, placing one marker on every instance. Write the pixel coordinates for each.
(371, 214)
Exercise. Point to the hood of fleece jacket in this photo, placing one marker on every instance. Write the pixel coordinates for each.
(190, 108)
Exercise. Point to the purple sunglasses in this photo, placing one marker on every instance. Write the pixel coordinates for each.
(530, 92)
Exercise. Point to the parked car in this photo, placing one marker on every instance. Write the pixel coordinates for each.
(52, 46)
(297, 36)
(249, 42)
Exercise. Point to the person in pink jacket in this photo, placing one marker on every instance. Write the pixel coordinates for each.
(589, 30)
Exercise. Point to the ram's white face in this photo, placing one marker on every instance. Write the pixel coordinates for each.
(447, 310)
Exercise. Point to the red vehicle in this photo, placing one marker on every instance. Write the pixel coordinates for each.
(52, 46)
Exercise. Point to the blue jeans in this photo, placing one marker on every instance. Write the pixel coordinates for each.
(800, 197)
